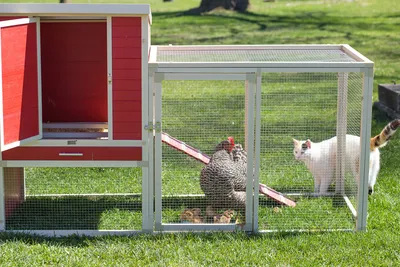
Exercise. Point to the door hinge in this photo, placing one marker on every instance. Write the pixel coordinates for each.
(151, 127)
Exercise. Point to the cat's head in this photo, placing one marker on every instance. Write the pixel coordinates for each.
(301, 149)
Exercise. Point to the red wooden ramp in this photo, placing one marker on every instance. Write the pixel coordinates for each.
(197, 154)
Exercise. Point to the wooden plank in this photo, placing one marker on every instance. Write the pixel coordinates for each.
(126, 31)
(127, 95)
(127, 74)
(127, 21)
(126, 64)
(128, 52)
(127, 85)
(127, 42)
(127, 117)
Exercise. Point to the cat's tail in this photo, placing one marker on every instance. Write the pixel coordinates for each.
(381, 139)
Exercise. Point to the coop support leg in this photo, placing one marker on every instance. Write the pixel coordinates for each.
(341, 130)
(365, 134)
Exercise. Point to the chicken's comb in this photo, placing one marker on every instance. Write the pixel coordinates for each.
(231, 140)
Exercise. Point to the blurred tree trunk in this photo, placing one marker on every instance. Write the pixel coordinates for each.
(65, 1)
(208, 5)
(238, 5)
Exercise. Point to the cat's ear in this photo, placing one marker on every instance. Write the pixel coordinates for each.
(308, 143)
(295, 142)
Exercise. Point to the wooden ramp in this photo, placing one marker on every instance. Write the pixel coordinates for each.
(197, 154)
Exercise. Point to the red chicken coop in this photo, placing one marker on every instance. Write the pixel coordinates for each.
(73, 94)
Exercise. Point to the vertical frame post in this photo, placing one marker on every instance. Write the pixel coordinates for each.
(251, 87)
(341, 130)
(365, 134)
(158, 150)
(257, 150)
(109, 79)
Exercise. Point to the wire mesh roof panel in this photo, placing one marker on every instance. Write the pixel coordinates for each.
(253, 55)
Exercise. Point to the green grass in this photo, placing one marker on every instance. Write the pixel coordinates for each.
(370, 26)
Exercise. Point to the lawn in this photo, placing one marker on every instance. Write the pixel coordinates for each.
(370, 26)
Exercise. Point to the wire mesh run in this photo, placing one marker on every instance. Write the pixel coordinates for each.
(175, 54)
(73, 198)
(305, 106)
(201, 114)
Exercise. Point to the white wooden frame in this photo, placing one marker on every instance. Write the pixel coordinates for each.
(362, 65)
(250, 79)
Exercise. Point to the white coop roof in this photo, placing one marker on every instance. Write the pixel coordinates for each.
(257, 56)
(74, 9)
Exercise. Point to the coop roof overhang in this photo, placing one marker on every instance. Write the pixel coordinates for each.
(75, 10)
(257, 56)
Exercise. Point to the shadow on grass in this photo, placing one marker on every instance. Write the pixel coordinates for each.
(70, 213)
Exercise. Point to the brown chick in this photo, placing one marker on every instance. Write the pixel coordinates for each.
(225, 217)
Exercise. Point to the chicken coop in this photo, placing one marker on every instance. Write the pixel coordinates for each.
(74, 151)
(103, 133)
(263, 97)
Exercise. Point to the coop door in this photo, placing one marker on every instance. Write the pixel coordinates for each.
(199, 111)
(19, 82)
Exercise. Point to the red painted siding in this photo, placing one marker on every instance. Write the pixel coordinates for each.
(20, 82)
(89, 153)
(74, 71)
(127, 78)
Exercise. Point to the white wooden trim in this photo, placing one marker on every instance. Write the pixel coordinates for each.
(198, 227)
(210, 66)
(75, 9)
(18, 143)
(350, 206)
(251, 79)
(153, 54)
(2, 201)
(176, 69)
(83, 143)
(71, 163)
(202, 76)
(158, 154)
(355, 54)
(15, 22)
(147, 196)
(39, 70)
(213, 70)
(365, 134)
(341, 130)
(250, 47)
(109, 79)
(257, 151)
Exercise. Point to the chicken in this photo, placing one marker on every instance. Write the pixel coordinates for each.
(223, 179)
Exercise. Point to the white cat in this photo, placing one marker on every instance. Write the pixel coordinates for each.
(320, 158)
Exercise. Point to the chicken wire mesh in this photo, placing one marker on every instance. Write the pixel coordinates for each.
(305, 106)
(201, 114)
(73, 198)
(252, 55)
